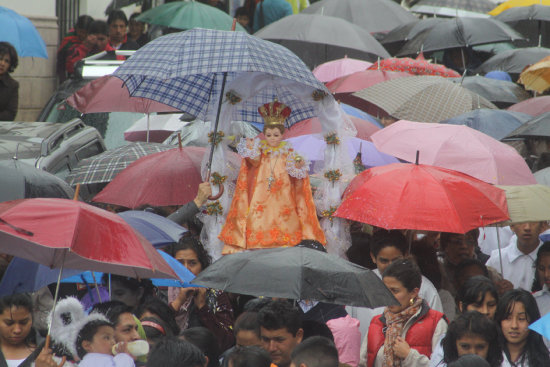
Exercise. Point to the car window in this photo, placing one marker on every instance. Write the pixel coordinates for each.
(89, 151)
(62, 169)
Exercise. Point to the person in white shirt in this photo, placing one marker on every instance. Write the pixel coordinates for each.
(541, 282)
(516, 262)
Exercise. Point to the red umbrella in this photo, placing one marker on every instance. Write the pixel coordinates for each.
(165, 178)
(361, 80)
(69, 233)
(421, 197)
(532, 106)
(313, 126)
(418, 66)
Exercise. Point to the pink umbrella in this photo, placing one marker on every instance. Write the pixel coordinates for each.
(455, 147)
(362, 79)
(313, 126)
(338, 68)
(532, 106)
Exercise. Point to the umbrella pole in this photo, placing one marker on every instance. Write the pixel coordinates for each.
(148, 127)
(57, 289)
(96, 288)
(214, 135)
(499, 253)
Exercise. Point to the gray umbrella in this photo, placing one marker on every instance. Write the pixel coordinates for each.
(458, 33)
(501, 92)
(396, 38)
(531, 21)
(373, 15)
(297, 273)
(536, 127)
(454, 8)
(317, 38)
(514, 61)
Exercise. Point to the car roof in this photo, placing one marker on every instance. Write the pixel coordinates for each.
(25, 138)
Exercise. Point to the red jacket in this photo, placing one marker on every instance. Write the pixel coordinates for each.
(81, 51)
(419, 336)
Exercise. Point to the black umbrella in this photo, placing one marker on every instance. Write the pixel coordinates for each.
(501, 92)
(317, 39)
(537, 127)
(458, 33)
(373, 15)
(396, 38)
(453, 8)
(22, 181)
(297, 273)
(531, 21)
(514, 61)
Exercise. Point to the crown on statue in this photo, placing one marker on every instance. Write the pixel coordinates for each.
(274, 113)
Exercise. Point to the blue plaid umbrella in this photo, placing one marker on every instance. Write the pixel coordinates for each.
(186, 70)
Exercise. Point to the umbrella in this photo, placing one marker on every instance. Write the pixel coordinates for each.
(422, 197)
(155, 128)
(361, 80)
(61, 233)
(513, 61)
(338, 68)
(454, 8)
(458, 33)
(188, 15)
(542, 326)
(527, 203)
(455, 147)
(373, 15)
(313, 148)
(356, 112)
(538, 126)
(160, 179)
(543, 176)
(537, 76)
(495, 123)
(317, 38)
(158, 230)
(418, 66)
(22, 34)
(532, 106)
(296, 273)
(105, 166)
(22, 181)
(529, 21)
(422, 98)
(313, 126)
(501, 92)
(516, 3)
(195, 133)
(396, 38)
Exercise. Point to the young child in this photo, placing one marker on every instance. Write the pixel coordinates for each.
(95, 343)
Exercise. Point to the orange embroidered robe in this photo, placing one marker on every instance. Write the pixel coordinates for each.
(264, 215)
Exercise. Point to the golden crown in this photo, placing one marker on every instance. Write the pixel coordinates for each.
(274, 113)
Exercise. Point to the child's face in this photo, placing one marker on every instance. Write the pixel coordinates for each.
(102, 342)
(273, 137)
(243, 20)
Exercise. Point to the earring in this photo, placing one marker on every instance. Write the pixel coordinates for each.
(411, 301)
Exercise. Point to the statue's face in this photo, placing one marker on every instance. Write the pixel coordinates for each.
(273, 136)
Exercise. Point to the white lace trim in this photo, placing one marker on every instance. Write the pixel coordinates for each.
(245, 152)
(295, 171)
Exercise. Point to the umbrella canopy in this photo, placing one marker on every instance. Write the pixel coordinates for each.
(422, 98)
(105, 166)
(460, 32)
(455, 147)
(373, 15)
(396, 38)
(187, 15)
(542, 326)
(158, 230)
(313, 126)
(537, 76)
(186, 70)
(296, 273)
(536, 127)
(155, 128)
(495, 123)
(22, 34)
(532, 106)
(356, 112)
(527, 203)
(454, 8)
(23, 181)
(516, 3)
(317, 38)
(501, 92)
(362, 79)
(531, 21)
(69, 233)
(421, 197)
(543, 176)
(513, 61)
(418, 66)
(338, 68)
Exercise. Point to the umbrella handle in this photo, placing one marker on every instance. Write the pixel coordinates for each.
(218, 195)
(47, 346)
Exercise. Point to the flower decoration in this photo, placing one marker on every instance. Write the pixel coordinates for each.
(333, 175)
(332, 139)
(318, 94)
(214, 208)
(215, 138)
(218, 179)
(232, 97)
(329, 213)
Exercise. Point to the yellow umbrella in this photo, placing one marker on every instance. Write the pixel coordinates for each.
(515, 4)
(537, 76)
(527, 203)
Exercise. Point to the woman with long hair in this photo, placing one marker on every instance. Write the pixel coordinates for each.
(542, 279)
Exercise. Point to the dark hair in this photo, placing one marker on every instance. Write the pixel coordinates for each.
(241, 11)
(20, 300)
(315, 328)
(112, 310)
(469, 360)
(445, 237)
(359, 251)
(406, 271)
(544, 249)
(116, 15)
(191, 243)
(163, 311)
(425, 256)
(205, 340)
(535, 349)
(87, 334)
(132, 284)
(248, 321)
(278, 315)
(316, 351)
(7, 48)
(134, 16)
(98, 27)
(255, 304)
(460, 272)
(474, 290)
(83, 22)
(472, 323)
(251, 356)
(384, 238)
(174, 352)
(155, 329)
